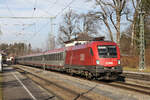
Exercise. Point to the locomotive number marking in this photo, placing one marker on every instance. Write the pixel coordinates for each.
(109, 63)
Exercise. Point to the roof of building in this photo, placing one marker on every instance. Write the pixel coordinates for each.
(85, 37)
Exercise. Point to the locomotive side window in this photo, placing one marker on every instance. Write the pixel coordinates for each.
(91, 52)
(107, 51)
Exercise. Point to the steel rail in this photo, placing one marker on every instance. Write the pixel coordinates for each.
(55, 84)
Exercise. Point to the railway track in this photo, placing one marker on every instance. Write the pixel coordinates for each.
(130, 87)
(122, 85)
(127, 86)
(68, 94)
(137, 76)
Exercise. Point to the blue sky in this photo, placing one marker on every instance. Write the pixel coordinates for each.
(35, 31)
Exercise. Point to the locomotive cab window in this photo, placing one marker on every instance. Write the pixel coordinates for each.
(107, 51)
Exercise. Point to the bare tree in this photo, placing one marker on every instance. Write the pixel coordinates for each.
(74, 24)
(133, 20)
(88, 24)
(136, 4)
(68, 27)
(110, 10)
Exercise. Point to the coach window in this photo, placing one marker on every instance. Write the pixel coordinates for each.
(58, 56)
(39, 58)
(49, 57)
(52, 56)
(62, 55)
(55, 57)
(45, 57)
(35, 58)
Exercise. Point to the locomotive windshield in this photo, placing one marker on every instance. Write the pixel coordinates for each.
(107, 51)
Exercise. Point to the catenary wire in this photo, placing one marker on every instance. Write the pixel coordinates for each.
(34, 8)
(72, 1)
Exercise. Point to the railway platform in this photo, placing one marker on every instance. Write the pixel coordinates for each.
(17, 87)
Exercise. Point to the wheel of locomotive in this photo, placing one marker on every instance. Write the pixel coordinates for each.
(88, 75)
(70, 72)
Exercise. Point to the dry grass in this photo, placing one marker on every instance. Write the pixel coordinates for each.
(136, 69)
(131, 63)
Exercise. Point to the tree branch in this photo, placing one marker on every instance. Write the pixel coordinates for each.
(112, 21)
(108, 4)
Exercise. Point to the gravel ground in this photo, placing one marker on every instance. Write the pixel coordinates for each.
(13, 89)
(100, 91)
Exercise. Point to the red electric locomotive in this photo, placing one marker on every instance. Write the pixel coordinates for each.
(96, 59)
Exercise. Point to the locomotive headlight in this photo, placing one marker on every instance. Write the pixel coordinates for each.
(119, 62)
(97, 62)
